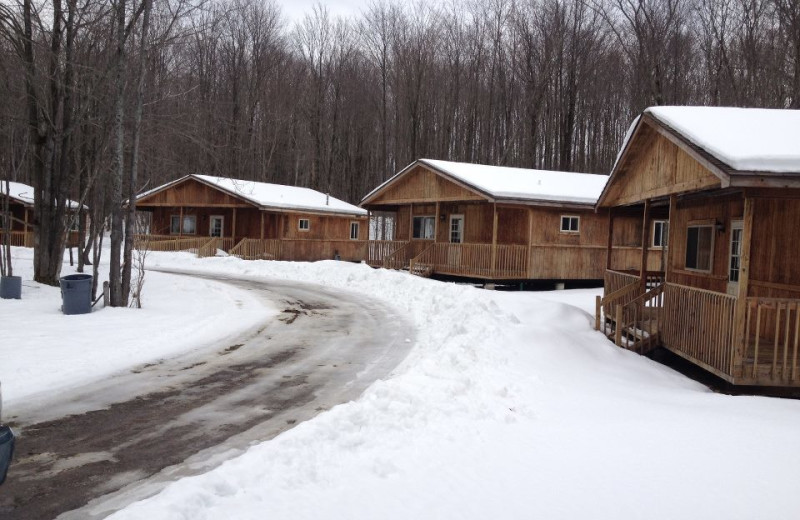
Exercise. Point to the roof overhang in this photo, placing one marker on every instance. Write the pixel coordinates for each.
(729, 177)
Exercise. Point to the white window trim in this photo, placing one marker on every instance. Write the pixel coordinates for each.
(569, 231)
(423, 217)
(653, 234)
(358, 229)
(711, 252)
(735, 224)
(222, 229)
(450, 228)
(300, 224)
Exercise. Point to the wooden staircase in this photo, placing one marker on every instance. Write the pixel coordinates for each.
(631, 317)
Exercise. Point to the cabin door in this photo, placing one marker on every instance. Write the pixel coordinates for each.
(735, 256)
(456, 237)
(216, 226)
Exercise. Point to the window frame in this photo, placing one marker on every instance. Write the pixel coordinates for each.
(736, 225)
(699, 225)
(300, 224)
(456, 216)
(422, 227)
(664, 236)
(357, 228)
(569, 230)
(222, 227)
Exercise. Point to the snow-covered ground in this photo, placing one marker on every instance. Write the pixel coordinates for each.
(43, 352)
(509, 405)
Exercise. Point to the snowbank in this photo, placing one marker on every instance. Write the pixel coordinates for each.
(43, 352)
(509, 406)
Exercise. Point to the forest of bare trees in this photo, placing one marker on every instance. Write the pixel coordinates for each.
(101, 99)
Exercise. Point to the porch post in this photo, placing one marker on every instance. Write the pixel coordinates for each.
(25, 236)
(410, 222)
(744, 279)
(262, 225)
(180, 225)
(529, 252)
(436, 224)
(233, 228)
(673, 207)
(610, 244)
(645, 242)
(494, 237)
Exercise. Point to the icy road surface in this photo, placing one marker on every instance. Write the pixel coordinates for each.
(186, 415)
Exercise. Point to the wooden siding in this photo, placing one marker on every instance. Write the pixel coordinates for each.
(703, 211)
(420, 184)
(656, 167)
(774, 261)
(191, 193)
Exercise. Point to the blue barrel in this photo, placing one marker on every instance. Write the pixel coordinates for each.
(76, 294)
(6, 450)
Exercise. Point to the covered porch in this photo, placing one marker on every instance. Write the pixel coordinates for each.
(738, 319)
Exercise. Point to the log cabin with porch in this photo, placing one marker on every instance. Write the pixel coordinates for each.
(21, 214)
(252, 220)
(491, 223)
(725, 183)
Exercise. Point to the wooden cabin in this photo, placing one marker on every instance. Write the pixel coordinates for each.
(22, 215)
(251, 220)
(728, 182)
(491, 223)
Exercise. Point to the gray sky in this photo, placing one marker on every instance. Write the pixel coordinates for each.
(294, 10)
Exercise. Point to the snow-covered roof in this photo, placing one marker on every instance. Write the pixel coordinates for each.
(746, 139)
(23, 194)
(266, 195)
(503, 182)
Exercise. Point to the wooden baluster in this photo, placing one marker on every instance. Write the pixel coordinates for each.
(776, 341)
(796, 338)
(784, 373)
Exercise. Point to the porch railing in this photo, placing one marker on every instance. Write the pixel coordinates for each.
(213, 245)
(510, 261)
(638, 322)
(379, 250)
(257, 249)
(772, 334)
(700, 325)
(174, 245)
(18, 238)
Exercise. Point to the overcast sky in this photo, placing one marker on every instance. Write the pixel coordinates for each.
(294, 10)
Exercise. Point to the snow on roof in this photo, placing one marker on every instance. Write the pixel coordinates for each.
(23, 193)
(278, 195)
(746, 139)
(523, 184)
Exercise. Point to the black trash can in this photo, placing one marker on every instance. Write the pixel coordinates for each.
(76, 294)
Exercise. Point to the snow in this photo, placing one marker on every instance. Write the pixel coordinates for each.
(508, 406)
(44, 351)
(267, 195)
(746, 139)
(23, 193)
(519, 183)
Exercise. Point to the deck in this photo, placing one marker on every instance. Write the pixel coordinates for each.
(760, 348)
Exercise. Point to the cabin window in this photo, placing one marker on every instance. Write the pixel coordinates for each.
(304, 224)
(735, 264)
(699, 245)
(660, 233)
(189, 225)
(424, 227)
(354, 231)
(570, 224)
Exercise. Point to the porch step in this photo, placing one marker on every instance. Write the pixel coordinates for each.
(422, 270)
